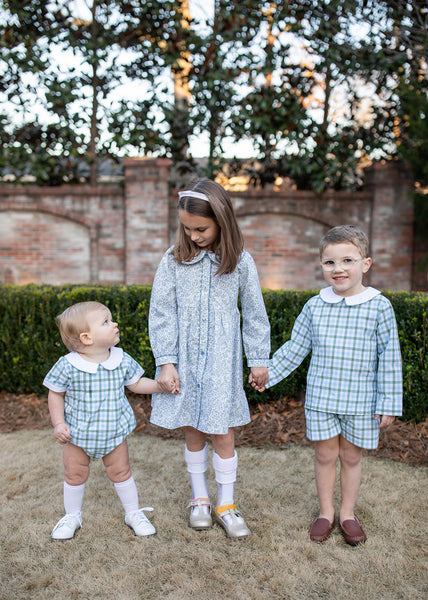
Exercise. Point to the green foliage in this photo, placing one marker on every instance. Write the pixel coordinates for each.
(270, 73)
(30, 342)
(411, 311)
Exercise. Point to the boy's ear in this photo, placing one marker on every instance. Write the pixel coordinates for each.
(367, 264)
(85, 338)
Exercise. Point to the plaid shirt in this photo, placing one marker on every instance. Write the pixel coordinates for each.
(95, 405)
(355, 366)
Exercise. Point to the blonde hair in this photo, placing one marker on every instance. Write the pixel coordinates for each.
(74, 321)
(230, 242)
(346, 234)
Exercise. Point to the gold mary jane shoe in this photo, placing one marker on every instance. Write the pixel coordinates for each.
(199, 519)
(232, 522)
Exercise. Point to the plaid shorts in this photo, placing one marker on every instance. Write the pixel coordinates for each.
(360, 430)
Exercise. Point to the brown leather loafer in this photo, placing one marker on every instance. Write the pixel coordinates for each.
(320, 529)
(352, 532)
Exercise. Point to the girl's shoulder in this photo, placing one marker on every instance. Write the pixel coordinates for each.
(167, 259)
(245, 259)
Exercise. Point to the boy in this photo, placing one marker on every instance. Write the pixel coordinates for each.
(354, 383)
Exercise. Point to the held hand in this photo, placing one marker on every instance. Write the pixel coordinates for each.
(259, 377)
(62, 433)
(385, 420)
(169, 380)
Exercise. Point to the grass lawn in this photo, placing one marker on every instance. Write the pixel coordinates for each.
(276, 494)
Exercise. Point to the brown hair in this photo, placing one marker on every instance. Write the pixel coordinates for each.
(346, 234)
(74, 321)
(230, 242)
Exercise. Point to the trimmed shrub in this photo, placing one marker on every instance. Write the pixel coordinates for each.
(31, 344)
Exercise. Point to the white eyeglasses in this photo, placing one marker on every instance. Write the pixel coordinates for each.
(344, 264)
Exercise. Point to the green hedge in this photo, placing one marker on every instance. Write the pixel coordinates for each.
(30, 341)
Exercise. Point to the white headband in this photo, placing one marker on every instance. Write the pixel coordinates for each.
(192, 194)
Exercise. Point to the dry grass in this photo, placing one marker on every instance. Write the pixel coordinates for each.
(276, 493)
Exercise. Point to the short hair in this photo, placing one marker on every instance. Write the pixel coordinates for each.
(230, 242)
(346, 234)
(74, 321)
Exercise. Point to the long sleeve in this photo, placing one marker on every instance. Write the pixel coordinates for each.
(291, 354)
(389, 399)
(163, 327)
(255, 322)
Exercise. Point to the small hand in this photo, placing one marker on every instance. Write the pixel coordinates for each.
(385, 420)
(169, 379)
(259, 376)
(62, 433)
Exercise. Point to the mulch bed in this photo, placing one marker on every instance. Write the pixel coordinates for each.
(272, 424)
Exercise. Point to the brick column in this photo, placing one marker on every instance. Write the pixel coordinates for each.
(146, 216)
(391, 225)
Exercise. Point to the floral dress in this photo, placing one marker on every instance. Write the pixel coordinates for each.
(195, 324)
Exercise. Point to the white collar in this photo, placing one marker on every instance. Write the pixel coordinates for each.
(328, 295)
(113, 361)
(211, 255)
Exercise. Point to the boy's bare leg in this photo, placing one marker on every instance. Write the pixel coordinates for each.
(326, 455)
(350, 477)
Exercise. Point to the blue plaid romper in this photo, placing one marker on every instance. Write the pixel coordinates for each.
(96, 408)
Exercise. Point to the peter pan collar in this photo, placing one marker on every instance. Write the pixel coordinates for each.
(201, 255)
(113, 361)
(328, 295)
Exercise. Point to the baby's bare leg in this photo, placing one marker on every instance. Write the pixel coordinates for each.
(76, 464)
(116, 463)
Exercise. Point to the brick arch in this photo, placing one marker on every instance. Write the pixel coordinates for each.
(36, 207)
(44, 247)
(326, 210)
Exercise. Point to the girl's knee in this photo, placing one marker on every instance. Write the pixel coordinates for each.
(224, 444)
(195, 440)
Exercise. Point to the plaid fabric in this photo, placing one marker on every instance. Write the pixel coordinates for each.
(95, 405)
(355, 367)
(360, 430)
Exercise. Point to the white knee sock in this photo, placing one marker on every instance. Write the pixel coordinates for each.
(196, 467)
(225, 476)
(73, 498)
(128, 494)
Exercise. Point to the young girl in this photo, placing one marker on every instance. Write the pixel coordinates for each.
(195, 334)
(90, 413)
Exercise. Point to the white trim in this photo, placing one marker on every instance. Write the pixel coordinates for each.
(113, 361)
(330, 296)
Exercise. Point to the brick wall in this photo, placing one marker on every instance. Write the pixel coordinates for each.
(118, 233)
